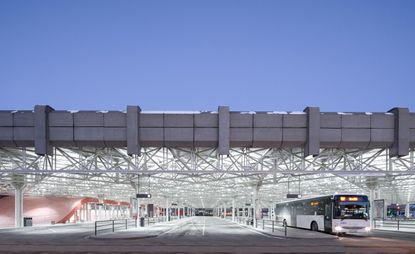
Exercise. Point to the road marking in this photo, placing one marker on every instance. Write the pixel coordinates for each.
(259, 233)
(204, 225)
(168, 231)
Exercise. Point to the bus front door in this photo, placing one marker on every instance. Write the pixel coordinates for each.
(328, 213)
(293, 216)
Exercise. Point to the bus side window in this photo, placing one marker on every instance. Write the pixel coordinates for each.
(328, 211)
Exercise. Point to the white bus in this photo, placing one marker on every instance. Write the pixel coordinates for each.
(334, 213)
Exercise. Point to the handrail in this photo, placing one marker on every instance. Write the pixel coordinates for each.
(272, 223)
(123, 224)
(394, 224)
(114, 225)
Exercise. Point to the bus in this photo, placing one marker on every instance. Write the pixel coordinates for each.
(333, 214)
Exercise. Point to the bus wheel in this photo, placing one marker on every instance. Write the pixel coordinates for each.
(314, 226)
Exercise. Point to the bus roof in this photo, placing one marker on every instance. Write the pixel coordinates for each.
(321, 196)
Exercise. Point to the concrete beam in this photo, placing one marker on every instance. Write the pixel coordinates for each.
(312, 144)
(224, 130)
(133, 131)
(400, 145)
(42, 144)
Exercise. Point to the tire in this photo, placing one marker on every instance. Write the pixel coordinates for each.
(314, 226)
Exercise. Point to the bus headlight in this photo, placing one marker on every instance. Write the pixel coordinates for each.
(367, 229)
(338, 228)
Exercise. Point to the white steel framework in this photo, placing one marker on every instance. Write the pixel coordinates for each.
(203, 178)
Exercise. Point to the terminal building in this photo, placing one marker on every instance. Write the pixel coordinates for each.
(64, 166)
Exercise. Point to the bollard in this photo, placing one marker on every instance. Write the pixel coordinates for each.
(113, 226)
(398, 224)
(126, 224)
(263, 224)
(273, 226)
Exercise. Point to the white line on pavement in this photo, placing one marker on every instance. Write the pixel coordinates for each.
(204, 225)
(259, 233)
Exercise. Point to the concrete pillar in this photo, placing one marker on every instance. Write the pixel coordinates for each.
(167, 210)
(255, 204)
(400, 145)
(233, 210)
(139, 215)
(18, 204)
(133, 133)
(83, 215)
(88, 212)
(371, 198)
(42, 145)
(224, 130)
(312, 145)
(407, 215)
(101, 213)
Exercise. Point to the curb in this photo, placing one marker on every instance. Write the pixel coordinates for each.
(98, 238)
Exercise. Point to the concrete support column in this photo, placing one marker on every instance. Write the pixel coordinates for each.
(167, 210)
(312, 145)
(400, 145)
(41, 130)
(255, 204)
(233, 210)
(88, 212)
(100, 216)
(139, 214)
(133, 130)
(407, 215)
(83, 213)
(224, 130)
(371, 198)
(18, 204)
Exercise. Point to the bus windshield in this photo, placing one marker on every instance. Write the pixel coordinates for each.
(351, 210)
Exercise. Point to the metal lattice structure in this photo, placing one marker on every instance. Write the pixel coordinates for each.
(203, 177)
(207, 158)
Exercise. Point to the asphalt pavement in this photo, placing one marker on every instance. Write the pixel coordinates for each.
(197, 235)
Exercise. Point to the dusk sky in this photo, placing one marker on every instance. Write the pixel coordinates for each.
(195, 55)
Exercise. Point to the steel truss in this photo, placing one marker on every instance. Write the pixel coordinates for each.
(201, 176)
